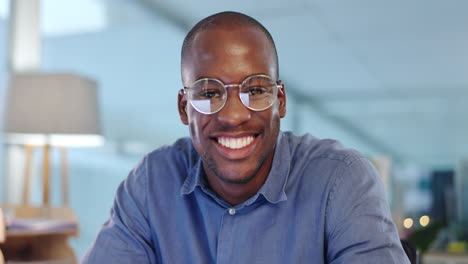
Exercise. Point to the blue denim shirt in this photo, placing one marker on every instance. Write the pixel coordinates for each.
(321, 203)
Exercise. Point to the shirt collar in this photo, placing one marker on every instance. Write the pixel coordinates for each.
(194, 178)
(272, 189)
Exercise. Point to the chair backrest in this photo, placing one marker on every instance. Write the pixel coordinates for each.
(411, 251)
(2, 234)
(2, 227)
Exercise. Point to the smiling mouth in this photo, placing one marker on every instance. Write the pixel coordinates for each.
(235, 142)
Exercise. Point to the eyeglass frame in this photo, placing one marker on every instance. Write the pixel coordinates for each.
(279, 85)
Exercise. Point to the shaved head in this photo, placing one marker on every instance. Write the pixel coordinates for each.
(225, 21)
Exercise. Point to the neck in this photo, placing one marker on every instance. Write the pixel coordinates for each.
(237, 193)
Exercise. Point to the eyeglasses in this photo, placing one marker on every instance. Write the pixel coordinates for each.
(208, 96)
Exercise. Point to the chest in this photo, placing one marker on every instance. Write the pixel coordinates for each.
(201, 231)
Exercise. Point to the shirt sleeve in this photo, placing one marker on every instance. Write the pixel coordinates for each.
(125, 237)
(359, 227)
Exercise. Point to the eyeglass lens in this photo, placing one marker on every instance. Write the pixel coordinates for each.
(209, 95)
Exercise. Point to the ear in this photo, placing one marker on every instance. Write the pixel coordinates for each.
(282, 100)
(182, 107)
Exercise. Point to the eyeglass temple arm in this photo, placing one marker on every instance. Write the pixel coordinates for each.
(183, 91)
(280, 86)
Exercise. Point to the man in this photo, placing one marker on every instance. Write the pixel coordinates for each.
(241, 191)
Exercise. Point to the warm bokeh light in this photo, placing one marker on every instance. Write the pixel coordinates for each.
(424, 220)
(408, 223)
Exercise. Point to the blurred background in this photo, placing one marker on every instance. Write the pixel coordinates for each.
(388, 78)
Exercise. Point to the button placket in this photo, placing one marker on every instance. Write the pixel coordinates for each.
(225, 238)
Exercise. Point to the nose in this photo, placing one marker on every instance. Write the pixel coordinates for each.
(234, 112)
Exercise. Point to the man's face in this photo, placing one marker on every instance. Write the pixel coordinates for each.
(231, 56)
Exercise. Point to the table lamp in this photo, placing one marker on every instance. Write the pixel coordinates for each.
(51, 110)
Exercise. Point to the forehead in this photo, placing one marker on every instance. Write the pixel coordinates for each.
(229, 55)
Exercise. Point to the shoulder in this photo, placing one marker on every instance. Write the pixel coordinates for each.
(180, 151)
(175, 159)
(311, 149)
(326, 162)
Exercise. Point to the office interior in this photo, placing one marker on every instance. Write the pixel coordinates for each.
(387, 78)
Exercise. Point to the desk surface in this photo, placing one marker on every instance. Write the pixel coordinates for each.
(46, 243)
(26, 233)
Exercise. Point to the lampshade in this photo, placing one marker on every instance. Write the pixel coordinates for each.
(59, 109)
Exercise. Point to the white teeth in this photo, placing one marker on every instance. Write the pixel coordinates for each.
(235, 143)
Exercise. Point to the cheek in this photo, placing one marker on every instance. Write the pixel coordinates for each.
(196, 124)
(197, 141)
(194, 130)
(273, 116)
(196, 136)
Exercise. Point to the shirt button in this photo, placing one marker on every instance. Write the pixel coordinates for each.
(232, 211)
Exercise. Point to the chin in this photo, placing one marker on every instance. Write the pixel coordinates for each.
(235, 178)
(234, 174)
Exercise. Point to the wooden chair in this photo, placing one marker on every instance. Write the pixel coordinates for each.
(40, 245)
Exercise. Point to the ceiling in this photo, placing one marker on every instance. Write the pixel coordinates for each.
(394, 73)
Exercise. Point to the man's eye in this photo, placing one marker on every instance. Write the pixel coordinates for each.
(257, 90)
(210, 94)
